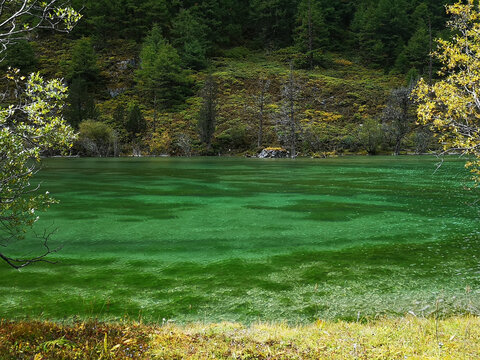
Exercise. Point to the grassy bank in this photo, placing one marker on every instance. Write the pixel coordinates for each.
(408, 337)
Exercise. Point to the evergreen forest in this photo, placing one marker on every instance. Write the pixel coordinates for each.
(221, 77)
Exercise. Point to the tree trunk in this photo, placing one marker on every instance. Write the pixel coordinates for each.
(430, 55)
(292, 127)
(396, 151)
(260, 125)
(310, 34)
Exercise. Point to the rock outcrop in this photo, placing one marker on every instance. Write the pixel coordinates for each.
(273, 153)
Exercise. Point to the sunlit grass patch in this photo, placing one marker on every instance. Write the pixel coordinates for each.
(454, 338)
(397, 338)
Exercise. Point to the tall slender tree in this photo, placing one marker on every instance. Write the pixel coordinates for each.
(207, 117)
(189, 38)
(82, 75)
(382, 29)
(261, 98)
(135, 122)
(311, 32)
(399, 117)
(287, 126)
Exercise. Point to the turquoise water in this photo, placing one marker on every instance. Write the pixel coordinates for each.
(210, 239)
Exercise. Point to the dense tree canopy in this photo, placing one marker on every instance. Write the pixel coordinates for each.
(392, 34)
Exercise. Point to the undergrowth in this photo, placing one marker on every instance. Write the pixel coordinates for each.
(401, 338)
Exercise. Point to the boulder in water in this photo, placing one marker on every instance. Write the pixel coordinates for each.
(273, 153)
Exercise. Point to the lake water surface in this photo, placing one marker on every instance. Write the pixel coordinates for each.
(207, 239)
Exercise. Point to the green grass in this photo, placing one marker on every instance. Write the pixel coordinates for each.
(401, 338)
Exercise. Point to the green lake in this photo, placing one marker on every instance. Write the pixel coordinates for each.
(212, 239)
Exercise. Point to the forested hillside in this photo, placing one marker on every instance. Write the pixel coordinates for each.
(228, 77)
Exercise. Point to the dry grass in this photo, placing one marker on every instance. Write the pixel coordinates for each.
(403, 338)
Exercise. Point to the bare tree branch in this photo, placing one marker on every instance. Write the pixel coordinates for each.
(17, 263)
(20, 18)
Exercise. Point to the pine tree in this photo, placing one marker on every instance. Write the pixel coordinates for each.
(119, 115)
(273, 21)
(381, 31)
(135, 122)
(83, 76)
(81, 103)
(312, 33)
(208, 113)
(160, 76)
(83, 64)
(189, 38)
(20, 56)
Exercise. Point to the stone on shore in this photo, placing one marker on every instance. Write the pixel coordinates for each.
(273, 153)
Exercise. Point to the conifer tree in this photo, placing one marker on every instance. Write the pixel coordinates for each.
(135, 122)
(311, 33)
(189, 38)
(83, 64)
(207, 117)
(119, 115)
(382, 30)
(81, 103)
(83, 76)
(160, 76)
(273, 21)
(20, 56)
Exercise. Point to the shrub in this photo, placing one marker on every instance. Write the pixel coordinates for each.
(237, 53)
(96, 138)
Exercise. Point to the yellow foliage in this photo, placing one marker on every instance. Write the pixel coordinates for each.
(316, 116)
(452, 106)
(343, 62)
(273, 107)
(362, 108)
(160, 143)
(275, 149)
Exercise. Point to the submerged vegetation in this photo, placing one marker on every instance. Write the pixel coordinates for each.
(243, 240)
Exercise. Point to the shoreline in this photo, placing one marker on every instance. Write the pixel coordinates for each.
(240, 156)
